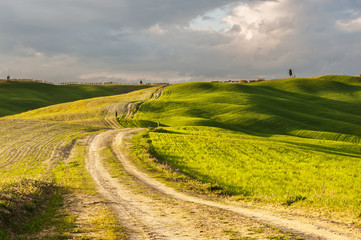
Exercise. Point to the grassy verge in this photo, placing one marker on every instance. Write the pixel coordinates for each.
(29, 150)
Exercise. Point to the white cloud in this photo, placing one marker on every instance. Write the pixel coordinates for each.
(262, 17)
(353, 25)
(178, 40)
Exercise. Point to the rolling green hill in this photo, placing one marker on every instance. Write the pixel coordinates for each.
(328, 104)
(38, 169)
(291, 142)
(294, 141)
(98, 112)
(17, 96)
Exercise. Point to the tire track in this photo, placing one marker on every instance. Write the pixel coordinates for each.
(145, 223)
(139, 214)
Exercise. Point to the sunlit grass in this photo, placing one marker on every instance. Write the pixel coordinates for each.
(276, 107)
(32, 148)
(29, 151)
(290, 142)
(94, 111)
(41, 162)
(17, 97)
(287, 142)
(274, 169)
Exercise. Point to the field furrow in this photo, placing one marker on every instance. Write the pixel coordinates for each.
(33, 147)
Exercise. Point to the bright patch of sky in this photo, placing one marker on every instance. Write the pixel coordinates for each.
(213, 20)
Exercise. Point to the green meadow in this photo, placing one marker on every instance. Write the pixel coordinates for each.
(17, 96)
(98, 111)
(41, 164)
(30, 153)
(42, 160)
(329, 104)
(290, 142)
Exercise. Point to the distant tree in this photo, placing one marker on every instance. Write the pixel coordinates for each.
(290, 72)
(8, 77)
(141, 82)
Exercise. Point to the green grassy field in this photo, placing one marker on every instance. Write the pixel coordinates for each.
(36, 166)
(290, 142)
(42, 162)
(328, 104)
(93, 112)
(17, 97)
(31, 148)
(274, 169)
(30, 151)
(37, 170)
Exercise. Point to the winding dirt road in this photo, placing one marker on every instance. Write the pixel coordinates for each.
(156, 211)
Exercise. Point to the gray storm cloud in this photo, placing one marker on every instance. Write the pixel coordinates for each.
(155, 40)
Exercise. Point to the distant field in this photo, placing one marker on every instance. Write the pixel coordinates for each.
(17, 97)
(99, 111)
(293, 141)
(329, 104)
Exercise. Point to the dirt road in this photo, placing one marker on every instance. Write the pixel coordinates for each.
(151, 210)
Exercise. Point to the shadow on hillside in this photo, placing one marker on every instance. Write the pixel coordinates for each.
(286, 112)
(302, 111)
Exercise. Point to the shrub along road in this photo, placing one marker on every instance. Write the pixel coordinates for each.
(151, 210)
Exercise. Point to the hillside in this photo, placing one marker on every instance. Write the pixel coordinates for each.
(288, 142)
(328, 104)
(42, 165)
(292, 143)
(99, 111)
(17, 97)
(42, 162)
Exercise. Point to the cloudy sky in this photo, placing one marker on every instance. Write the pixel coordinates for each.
(178, 40)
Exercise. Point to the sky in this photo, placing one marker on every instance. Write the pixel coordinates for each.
(176, 41)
